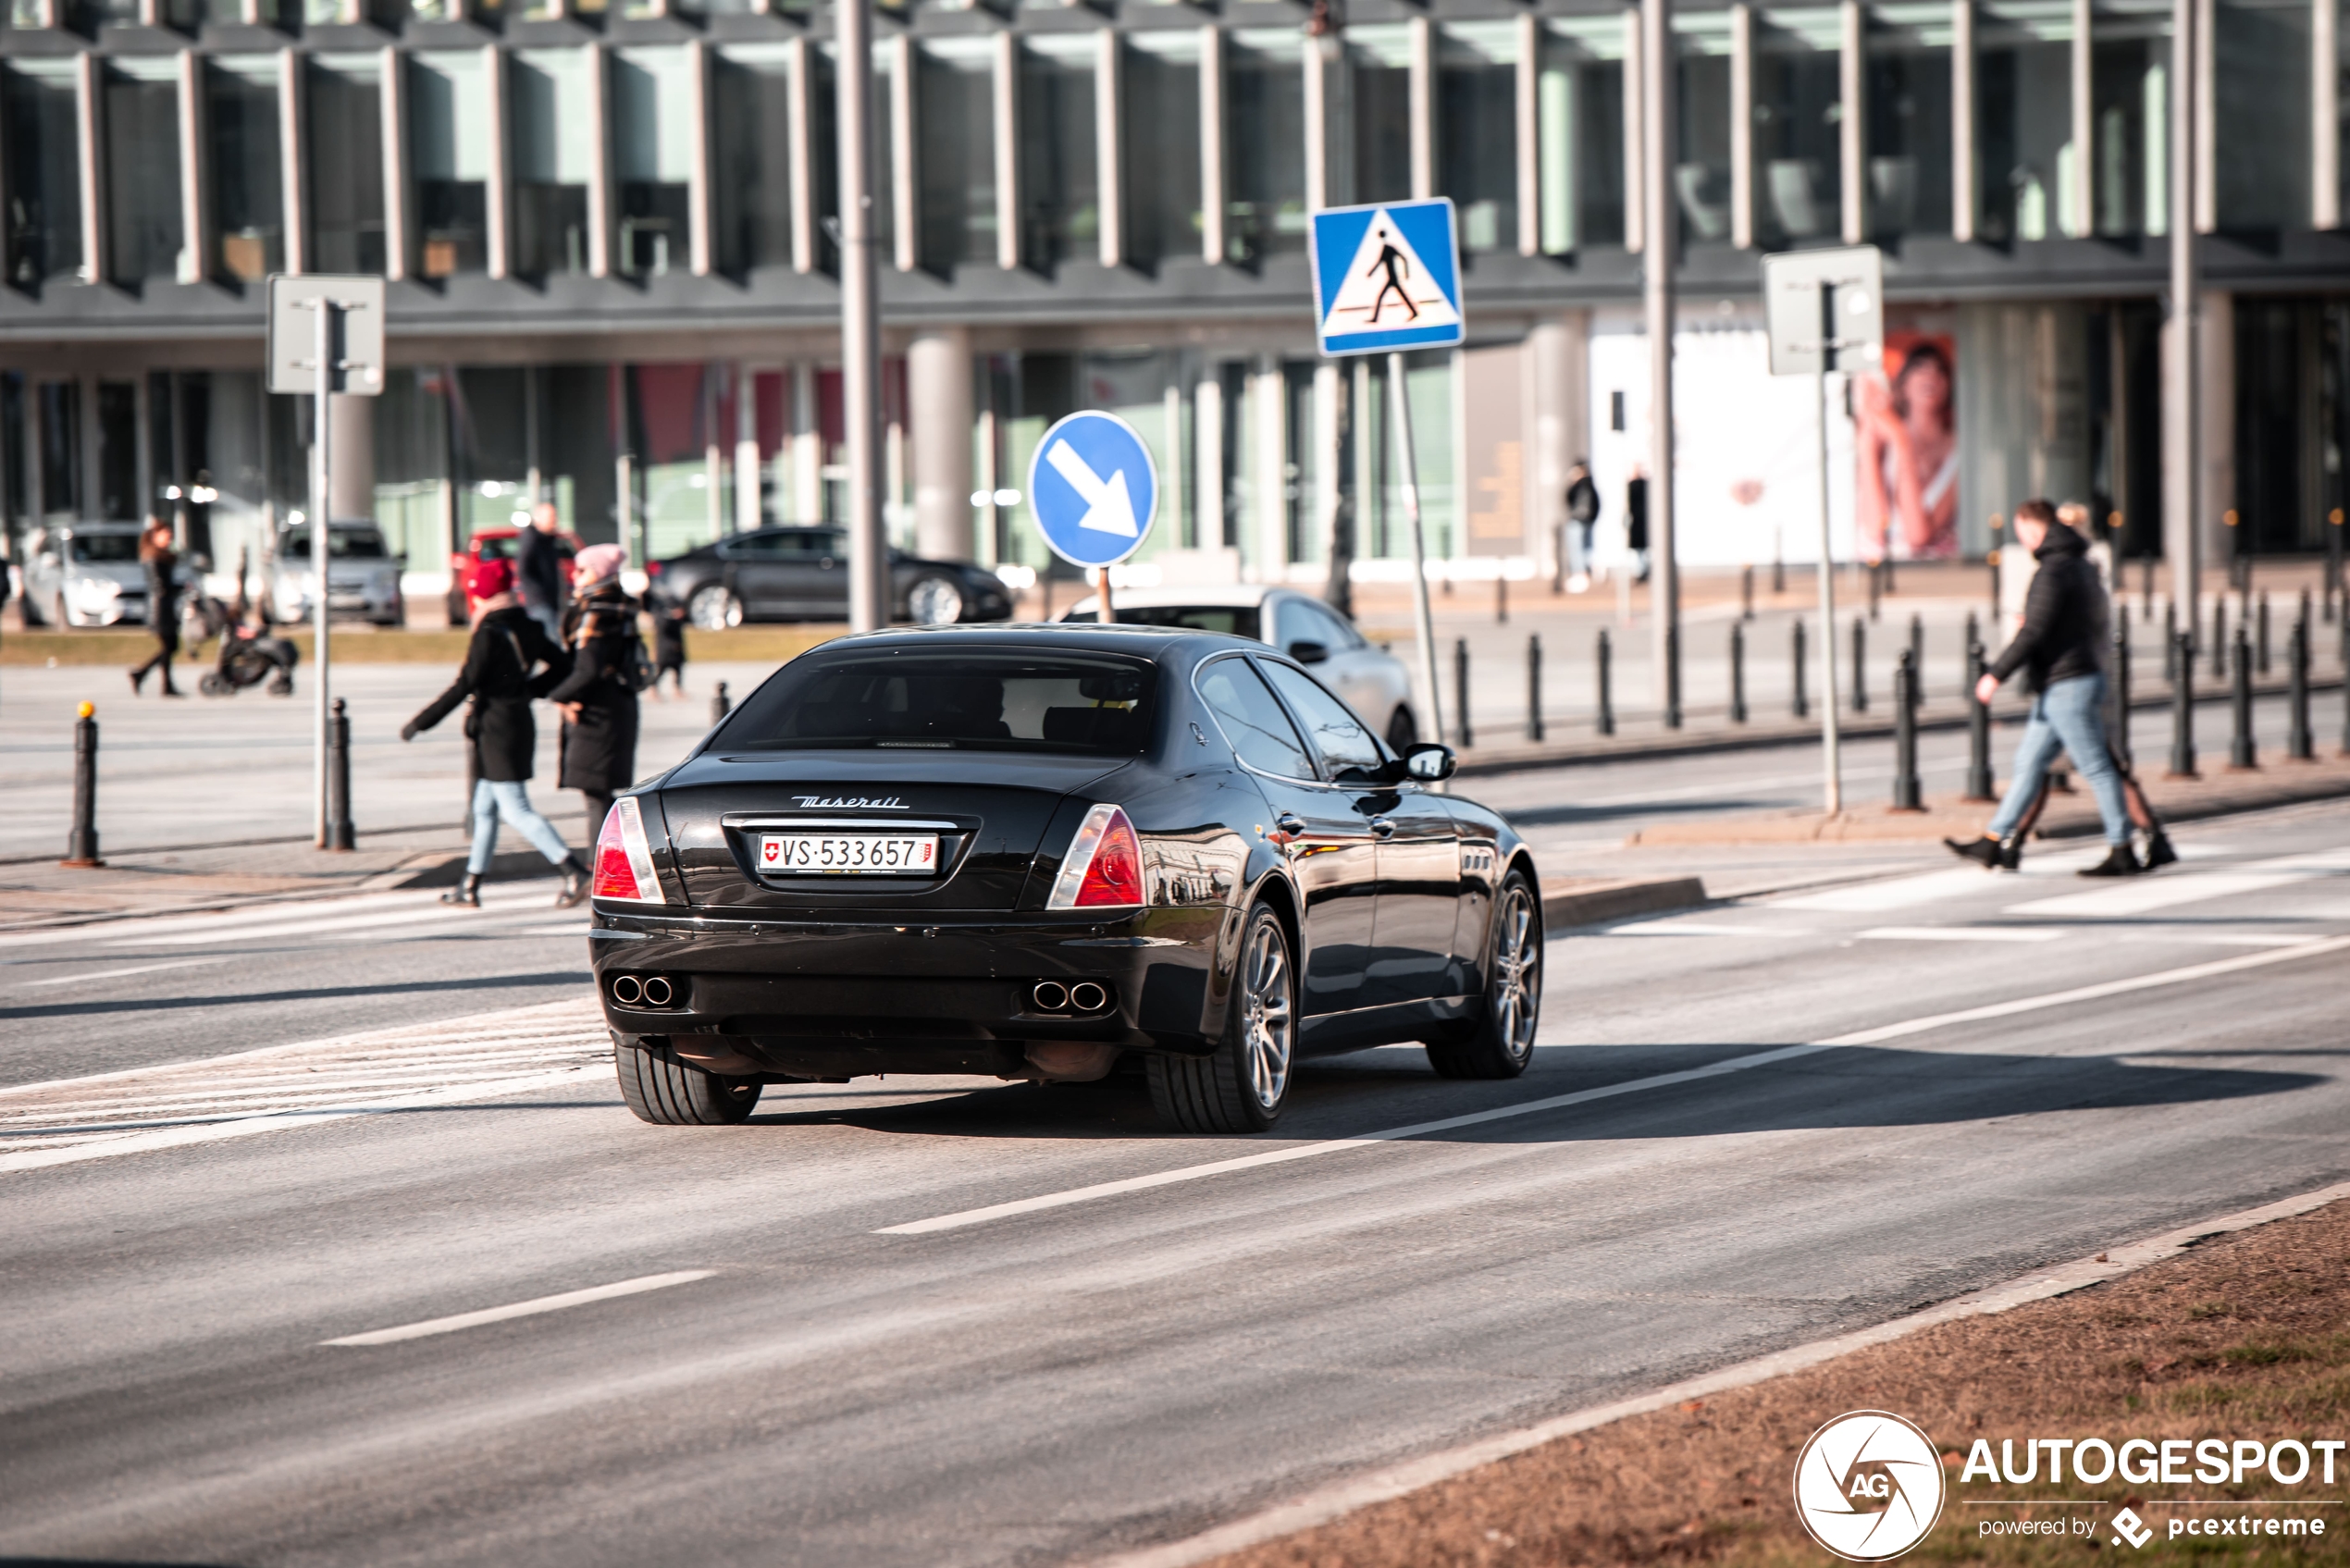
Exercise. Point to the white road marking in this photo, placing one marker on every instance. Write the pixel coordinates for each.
(361, 923)
(117, 974)
(1962, 933)
(450, 1325)
(1901, 1029)
(1697, 928)
(2166, 891)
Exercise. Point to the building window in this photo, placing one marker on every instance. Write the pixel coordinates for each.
(1378, 143)
(956, 125)
(248, 206)
(1060, 192)
(450, 150)
(2260, 69)
(652, 155)
(1797, 154)
(1909, 131)
(1476, 130)
(1702, 140)
(2130, 89)
(553, 132)
(1579, 131)
(143, 170)
(346, 191)
(751, 86)
(1163, 215)
(2025, 157)
(1265, 138)
(43, 172)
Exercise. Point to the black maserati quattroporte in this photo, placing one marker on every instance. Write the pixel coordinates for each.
(1037, 852)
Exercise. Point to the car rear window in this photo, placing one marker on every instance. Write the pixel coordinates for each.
(105, 547)
(966, 701)
(1233, 620)
(342, 544)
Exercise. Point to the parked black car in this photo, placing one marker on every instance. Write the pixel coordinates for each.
(1037, 852)
(802, 575)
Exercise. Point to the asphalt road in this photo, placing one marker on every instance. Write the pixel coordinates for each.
(1747, 1127)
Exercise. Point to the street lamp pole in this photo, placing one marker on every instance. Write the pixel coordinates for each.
(2182, 399)
(1660, 225)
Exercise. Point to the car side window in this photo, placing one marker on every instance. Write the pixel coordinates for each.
(1293, 622)
(1347, 747)
(1261, 733)
(757, 547)
(1332, 629)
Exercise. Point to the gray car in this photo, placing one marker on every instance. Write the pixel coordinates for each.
(362, 574)
(87, 574)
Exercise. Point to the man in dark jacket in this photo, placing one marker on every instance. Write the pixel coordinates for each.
(2061, 646)
(538, 569)
(501, 675)
(1582, 517)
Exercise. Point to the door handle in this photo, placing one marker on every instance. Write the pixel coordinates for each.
(1383, 826)
(1290, 822)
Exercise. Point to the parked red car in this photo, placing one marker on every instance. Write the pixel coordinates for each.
(494, 544)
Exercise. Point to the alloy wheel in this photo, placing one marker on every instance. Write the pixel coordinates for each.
(713, 609)
(934, 601)
(1266, 1018)
(1517, 963)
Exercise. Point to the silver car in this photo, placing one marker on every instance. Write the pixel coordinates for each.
(362, 576)
(86, 574)
(1372, 681)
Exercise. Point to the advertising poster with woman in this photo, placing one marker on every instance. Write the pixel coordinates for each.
(1906, 432)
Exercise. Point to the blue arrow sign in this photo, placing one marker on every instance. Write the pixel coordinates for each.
(1386, 277)
(1093, 488)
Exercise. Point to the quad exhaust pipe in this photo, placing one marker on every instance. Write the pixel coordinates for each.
(643, 990)
(1052, 996)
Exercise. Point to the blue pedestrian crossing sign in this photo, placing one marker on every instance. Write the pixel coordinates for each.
(1093, 488)
(1386, 277)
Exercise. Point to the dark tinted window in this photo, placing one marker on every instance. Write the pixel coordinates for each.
(969, 699)
(105, 547)
(1340, 736)
(1261, 733)
(1239, 620)
(342, 544)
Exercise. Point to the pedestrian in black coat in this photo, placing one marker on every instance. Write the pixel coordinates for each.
(510, 661)
(1636, 518)
(538, 568)
(669, 645)
(598, 697)
(161, 563)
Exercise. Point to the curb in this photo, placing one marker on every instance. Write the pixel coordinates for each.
(1586, 901)
(1334, 1502)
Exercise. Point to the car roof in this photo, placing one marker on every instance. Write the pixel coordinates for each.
(1172, 644)
(1220, 595)
(113, 527)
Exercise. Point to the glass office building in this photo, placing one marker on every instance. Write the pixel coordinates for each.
(609, 236)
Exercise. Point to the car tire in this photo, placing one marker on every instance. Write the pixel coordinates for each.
(1403, 730)
(1500, 1041)
(934, 601)
(664, 1090)
(713, 608)
(1243, 1085)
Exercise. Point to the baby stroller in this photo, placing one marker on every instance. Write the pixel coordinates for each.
(247, 659)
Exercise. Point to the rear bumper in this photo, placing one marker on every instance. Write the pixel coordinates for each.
(844, 998)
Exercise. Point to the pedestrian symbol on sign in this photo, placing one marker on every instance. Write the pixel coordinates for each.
(1386, 277)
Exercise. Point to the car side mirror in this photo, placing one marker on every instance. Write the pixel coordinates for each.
(1429, 762)
(1309, 652)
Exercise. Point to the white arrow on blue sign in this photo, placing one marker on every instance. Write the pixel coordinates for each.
(1386, 277)
(1093, 488)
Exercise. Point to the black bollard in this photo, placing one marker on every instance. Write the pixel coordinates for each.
(81, 840)
(2145, 585)
(1603, 659)
(2243, 754)
(2120, 728)
(2181, 706)
(1859, 665)
(1907, 796)
(341, 833)
(1917, 655)
(1876, 588)
(2264, 631)
(1737, 674)
(1778, 573)
(720, 704)
(1461, 691)
(2219, 635)
(2169, 642)
(2346, 679)
(1501, 600)
(1534, 688)
(1803, 703)
(1672, 677)
(2299, 744)
(1978, 730)
(1746, 594)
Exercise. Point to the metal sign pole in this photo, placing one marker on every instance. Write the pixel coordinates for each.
(1831, 761)
(869, 591)
(1407, 480)
(320, 488)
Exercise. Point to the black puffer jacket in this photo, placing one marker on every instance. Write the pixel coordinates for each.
(599, 750)
(498, 676)
(2065, 616)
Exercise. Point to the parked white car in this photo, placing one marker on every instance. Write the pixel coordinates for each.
(86, 574)
(1374, 683)
(362, 576)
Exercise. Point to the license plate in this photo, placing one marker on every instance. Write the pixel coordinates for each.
(848, 854)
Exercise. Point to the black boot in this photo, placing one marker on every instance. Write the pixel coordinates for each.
(2012, 852)
(467, 892)
(1984, 851)
(2158, 850)
(576, 884)
(2121, 861)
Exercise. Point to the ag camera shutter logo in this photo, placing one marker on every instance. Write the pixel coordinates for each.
(1869, 1485)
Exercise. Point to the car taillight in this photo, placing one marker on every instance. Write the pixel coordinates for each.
(623, 864)
(652, 568)
(1104, 865)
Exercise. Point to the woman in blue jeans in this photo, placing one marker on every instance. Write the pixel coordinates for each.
(2061, 646)
(510, 660)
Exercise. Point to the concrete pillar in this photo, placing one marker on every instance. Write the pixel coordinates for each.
(354, 450)
(1208, 447)
(1268, 415)
(747, 477)
(807, 447)
(1558, 353)
(938, 399)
